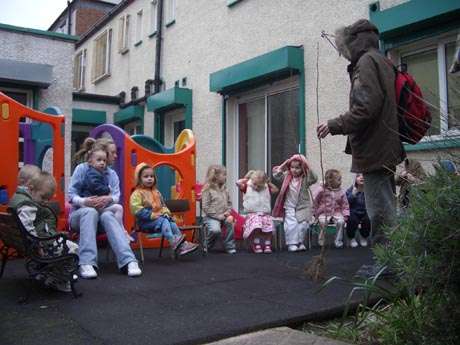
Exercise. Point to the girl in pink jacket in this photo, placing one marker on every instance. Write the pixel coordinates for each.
(331, 206)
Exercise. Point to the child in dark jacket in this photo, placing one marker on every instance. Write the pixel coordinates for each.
(30, 202)
(358, 213)
(95, 183)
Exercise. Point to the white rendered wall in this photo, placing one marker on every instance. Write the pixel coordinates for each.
(208, 36)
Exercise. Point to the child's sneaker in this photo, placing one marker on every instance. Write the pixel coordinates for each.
(257, 249)
(268, 249)
(177, 242)
(353, 243)
(363, 242)
(301, 248)
(187, 248)
(231, 251)
(338, 244)
(292, 248)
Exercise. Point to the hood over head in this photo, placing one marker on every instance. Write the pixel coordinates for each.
(356, 39)
(137, 172)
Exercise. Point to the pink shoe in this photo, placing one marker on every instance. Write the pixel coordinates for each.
(187, 248)
(268, 249)
(257, 249)
(177, 243)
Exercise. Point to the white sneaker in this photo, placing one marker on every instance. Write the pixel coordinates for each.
(353, 243)
(87, 272)
(363, 242)
(133, 269)
(301, 248)
(338, 244)
(292, 248)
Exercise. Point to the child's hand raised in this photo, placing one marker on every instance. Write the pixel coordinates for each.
(230, 219)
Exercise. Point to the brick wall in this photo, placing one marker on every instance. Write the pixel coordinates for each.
(86, 18)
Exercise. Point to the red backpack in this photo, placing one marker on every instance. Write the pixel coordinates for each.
(413, 114)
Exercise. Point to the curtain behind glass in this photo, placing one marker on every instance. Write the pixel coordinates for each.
(283, 114)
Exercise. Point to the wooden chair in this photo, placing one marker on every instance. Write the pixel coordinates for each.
(175, 206)
(47, 258)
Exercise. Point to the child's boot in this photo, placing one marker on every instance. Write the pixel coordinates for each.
(268, 247)
(339, 238)
(256, 247)
(301, 247)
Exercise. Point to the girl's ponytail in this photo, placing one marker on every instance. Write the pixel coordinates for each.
(82, 154)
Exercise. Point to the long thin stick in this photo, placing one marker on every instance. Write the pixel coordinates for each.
(317, 111)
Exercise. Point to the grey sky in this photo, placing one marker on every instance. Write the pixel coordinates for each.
(36, 14)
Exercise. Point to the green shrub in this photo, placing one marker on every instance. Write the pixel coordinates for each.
(422, 307)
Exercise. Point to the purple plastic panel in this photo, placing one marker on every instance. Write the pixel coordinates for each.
(28, 146)
(118, 135)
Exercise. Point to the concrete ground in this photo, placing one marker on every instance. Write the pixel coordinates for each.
(193, 300)
(278, 336)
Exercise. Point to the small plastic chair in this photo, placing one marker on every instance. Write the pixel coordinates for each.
(175, 206)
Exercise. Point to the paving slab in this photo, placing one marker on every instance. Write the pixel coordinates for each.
(193, 300)
(278, 336)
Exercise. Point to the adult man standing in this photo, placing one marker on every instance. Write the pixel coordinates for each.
(371, 122)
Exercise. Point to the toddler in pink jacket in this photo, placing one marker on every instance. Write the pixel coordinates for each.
(331, 206)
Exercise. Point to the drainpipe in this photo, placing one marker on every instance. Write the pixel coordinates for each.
(157, 79)
(69, 17)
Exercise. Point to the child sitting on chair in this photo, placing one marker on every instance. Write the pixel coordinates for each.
(217, 206)
(294, 200)
(95, 182)
(152, 216)
(258, 226)
(30, 204)
(331, 206)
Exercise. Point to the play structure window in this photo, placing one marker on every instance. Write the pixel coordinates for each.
(79, 71)
(169, 182)
(35, 144)
(123, 34)
(101, 55)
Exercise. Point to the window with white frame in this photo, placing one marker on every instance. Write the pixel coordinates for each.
(429, 63)
(101, 55)
(170, 11)
(123, 34)
(153, 16)
(79, 69)
(139, 26)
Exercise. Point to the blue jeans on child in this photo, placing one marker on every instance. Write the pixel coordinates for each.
(215, 231)
(167, 227)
